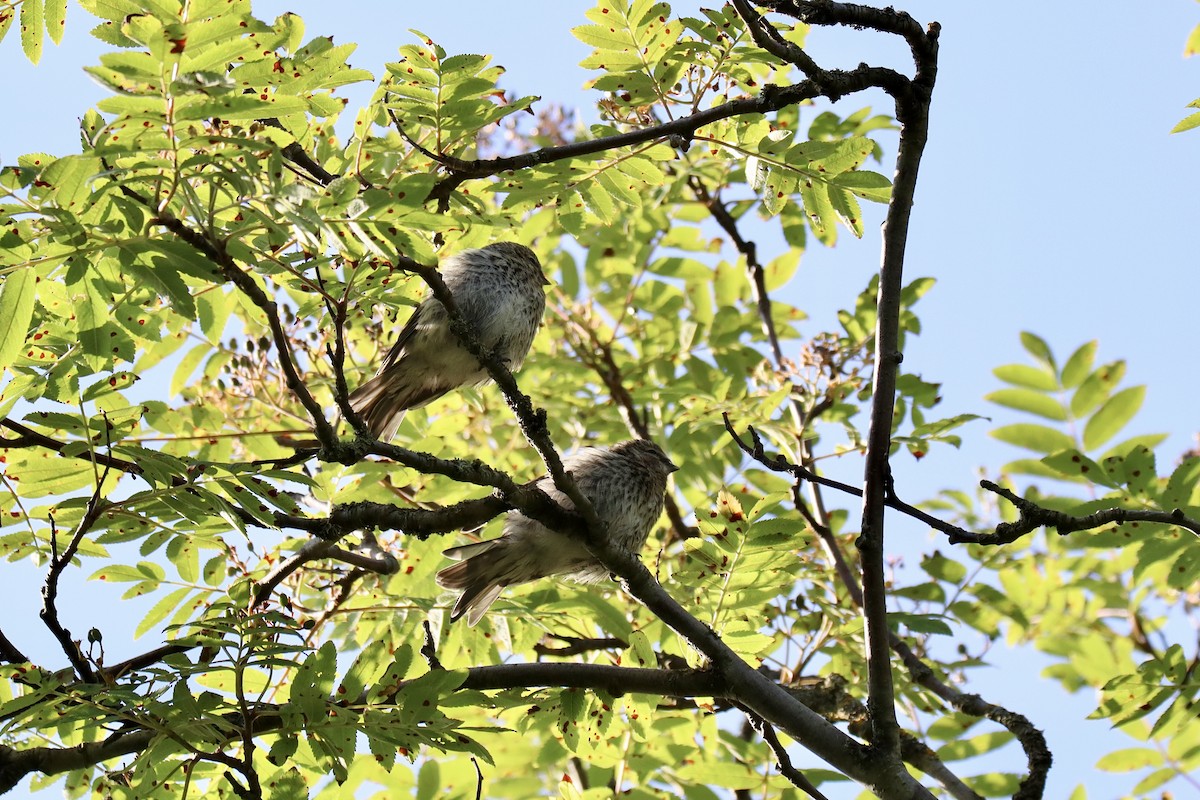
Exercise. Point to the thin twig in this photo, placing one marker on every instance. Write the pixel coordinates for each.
(577, 646)
(374, 560)
(429, 649)
(782, 759)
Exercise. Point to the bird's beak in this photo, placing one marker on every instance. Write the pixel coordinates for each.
(545, 281)
(674, 466)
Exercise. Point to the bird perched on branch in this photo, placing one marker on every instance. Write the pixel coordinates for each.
(498, 289)
(625, 484)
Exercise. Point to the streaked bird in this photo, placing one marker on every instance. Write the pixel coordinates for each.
(498, 289)
(625, 484)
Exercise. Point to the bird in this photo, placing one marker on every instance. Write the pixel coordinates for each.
(498, 289)
(625, 484)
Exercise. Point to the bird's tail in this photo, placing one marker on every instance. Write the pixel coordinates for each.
(485, 569)
(382, 401)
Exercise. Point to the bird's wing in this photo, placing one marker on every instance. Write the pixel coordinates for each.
(405, 337)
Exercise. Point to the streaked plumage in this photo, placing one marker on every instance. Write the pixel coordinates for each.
(498, 289)
(625, 484)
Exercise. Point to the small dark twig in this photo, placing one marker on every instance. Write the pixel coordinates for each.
(59, 561)
(1033, 516)
(429, 649)
(782, 759)
(374, 559)
(577, 646)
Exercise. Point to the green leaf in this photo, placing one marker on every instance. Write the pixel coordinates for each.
(1029, 377)
(161, 610)
(1187, 123)
(944, 569)
(975, 746)
(1113, 416)
(1129, 759)
(90, 303)
(6, 21)
(16, 312)
(1037, 403)
(1073, 464)
(33, 23)
(164, 276)
(1036, 346)
(1079, 365)
(642, 654)
(728, 775)
(920, 623)
(429, 781)
(867, 185)
(848, 210)
(241, 106)
(187, 365)
(121, 573)
(1037, 438)
(1159, 776)
(1096, 387)
(56, 19)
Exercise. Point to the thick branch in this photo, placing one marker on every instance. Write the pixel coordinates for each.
(912, 112)
(1032, 740)
(752, 689)
(884, 20)
(772, 98)
(16, 764)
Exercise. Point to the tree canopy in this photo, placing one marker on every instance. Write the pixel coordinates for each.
(188, 301)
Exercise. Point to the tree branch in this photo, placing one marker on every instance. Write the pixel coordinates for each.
(761, 695)
(31, 438)
(16, 764)
(772, 98)
(1033, 516)
(58, 563)
(577, 646)
(374, 560)
(884, 20)
(782, 759)
(1032, 740)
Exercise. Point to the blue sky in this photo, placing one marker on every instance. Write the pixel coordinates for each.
(1051, 199)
